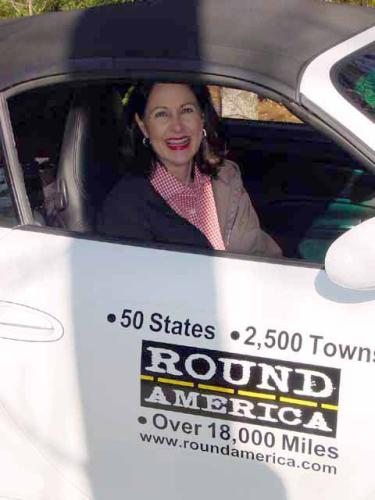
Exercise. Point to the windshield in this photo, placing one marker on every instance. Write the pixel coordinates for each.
(355, 79)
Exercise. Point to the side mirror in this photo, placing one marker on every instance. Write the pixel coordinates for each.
(350, 260)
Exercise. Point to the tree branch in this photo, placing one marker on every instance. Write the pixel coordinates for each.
(17, 6)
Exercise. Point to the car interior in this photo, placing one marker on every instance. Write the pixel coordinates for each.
(306, 190)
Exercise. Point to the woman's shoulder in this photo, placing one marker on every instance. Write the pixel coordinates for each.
(229, 172)
(130, 181)
(123, 211)
(130, 189)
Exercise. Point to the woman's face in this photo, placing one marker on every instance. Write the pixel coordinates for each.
(174, 124)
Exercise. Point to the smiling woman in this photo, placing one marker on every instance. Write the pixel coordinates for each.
(179, 189)
(172, 123)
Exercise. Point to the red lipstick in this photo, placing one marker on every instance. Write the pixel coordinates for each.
(178, 143)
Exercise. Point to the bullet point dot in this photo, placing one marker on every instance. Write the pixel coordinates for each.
(235, 335)
(142, 420)
(111, 318)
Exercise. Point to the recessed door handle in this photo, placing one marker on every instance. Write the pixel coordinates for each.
(25, 323)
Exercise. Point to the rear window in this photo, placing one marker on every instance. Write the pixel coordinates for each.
(355, 80)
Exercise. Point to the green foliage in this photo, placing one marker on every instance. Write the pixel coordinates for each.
(84, 4)
(363, 3)
(16, 8)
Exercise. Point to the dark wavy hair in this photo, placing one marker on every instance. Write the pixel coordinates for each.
(140, 159)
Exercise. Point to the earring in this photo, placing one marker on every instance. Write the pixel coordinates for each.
(204, 133)
(146, 142)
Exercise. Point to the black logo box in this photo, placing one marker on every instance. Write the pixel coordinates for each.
(295, 381)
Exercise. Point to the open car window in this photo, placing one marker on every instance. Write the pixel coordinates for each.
(306, 190)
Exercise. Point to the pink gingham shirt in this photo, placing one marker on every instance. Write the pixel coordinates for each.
(194, 202)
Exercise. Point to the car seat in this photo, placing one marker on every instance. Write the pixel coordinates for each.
(90, 158)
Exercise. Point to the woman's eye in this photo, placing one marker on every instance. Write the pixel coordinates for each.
(188, 109)
(160, 114)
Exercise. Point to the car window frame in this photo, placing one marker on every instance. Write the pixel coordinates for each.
(13, 167)
(18, 185)
(9, 193)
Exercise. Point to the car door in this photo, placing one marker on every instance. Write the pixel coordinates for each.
(137, 370)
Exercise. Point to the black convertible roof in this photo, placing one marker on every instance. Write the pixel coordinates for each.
(232, 38)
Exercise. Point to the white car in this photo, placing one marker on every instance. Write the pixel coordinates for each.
(138, 370)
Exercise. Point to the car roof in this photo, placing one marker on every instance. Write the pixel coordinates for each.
(272, 39)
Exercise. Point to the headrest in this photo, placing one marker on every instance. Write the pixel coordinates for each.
(90, 157)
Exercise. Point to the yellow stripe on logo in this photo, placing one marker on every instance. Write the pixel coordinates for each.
(259, 395)
(216, 388)
(301, 402)
(329, 407)
(175, 382)
(249, 394)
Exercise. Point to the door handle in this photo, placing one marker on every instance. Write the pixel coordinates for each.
(25, 323)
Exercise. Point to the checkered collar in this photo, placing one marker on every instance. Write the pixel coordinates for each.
(169, 186)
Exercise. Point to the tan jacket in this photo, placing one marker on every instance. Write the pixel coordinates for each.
(238, 220)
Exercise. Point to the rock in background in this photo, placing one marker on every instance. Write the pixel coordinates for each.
(239, 104)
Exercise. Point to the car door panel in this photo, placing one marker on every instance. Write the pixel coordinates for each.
(91, 415)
